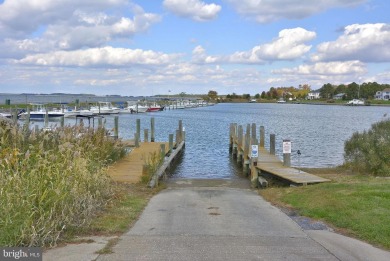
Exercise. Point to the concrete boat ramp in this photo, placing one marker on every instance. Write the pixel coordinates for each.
(222, 220)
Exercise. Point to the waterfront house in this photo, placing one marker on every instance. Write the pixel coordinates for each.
(338, 96)
(383, 95)
(314, 95)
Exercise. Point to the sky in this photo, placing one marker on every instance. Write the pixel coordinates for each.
(151, 47)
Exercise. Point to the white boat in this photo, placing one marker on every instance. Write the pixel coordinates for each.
(104, 108)
(281, 101)
(39, 112)
(355, 102)
(136, 107)
(70, 113)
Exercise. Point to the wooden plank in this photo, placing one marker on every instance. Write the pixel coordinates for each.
(129, 169)
(272, 165)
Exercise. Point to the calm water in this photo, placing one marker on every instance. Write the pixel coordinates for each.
(318, 131)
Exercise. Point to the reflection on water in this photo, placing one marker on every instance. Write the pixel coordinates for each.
(317, 131)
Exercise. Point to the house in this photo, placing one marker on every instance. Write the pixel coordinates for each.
(383, 95)
(313, 95)
(338, 96)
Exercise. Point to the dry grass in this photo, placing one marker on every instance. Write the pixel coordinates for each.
(51, 181)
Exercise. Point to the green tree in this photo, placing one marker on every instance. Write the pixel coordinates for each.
(257, 96)
(212, 94)
(352, 91)
(246, 96)
(327, 91)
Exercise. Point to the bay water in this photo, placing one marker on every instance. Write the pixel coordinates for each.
(318, 131)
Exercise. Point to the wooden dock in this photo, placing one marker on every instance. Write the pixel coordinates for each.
(266, 164)
(272, 165)
(131, 167)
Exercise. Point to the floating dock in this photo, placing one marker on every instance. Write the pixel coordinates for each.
(272, 165)
(131, 167)
(266, 164)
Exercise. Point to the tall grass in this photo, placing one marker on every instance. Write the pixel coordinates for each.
(51, 180)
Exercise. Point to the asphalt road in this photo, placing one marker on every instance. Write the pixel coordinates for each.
(218, 222)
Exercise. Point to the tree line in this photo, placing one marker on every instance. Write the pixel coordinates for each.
(327, 91)
(352, 90)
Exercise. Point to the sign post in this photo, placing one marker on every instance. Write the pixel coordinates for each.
(287, 153)
(254, 154)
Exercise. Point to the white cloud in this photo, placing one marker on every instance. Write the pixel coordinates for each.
(194, 9)
(107, 56)
(67, 27)
(289, 45)
(330, 68)
(265, 11)
(25, 16)
(364, 42)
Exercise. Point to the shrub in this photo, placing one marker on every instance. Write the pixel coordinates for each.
(369, 152)
(51, 180)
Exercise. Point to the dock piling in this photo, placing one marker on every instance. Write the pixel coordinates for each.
(272, 144)
(152, 129)
(136, 140)
(138, 128)
(146, 135)
(262, 136)
(116, 127)
(170, 143)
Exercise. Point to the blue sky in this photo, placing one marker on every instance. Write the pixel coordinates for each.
(193, 46)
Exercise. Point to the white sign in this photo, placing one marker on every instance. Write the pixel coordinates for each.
(286, 147)
(255, 151)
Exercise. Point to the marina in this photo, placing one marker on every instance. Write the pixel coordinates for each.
(318, 132)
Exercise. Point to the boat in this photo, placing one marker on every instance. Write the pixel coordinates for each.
(281, 101)
(9, 115)
(39, 112)
(104, 108)
(136, 107)
(355, 102)
(154, 108)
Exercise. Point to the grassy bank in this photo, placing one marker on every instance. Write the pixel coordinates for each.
(358, 206)
(52, 181)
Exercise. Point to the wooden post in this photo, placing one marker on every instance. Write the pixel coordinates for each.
(177, 137)
(239, 145)
(254, 134)
(46, 119)
(62, 121)
(28, 116)
(246, 154)
(262, 136)
(170, 143)
(180, 131)
(136, 140)
(15, 116)
(231, 138)
(162, 151)
(116, 127)
(100, 122)
(152, 129)
(138, 128)
(272, 144)
(146, 135)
